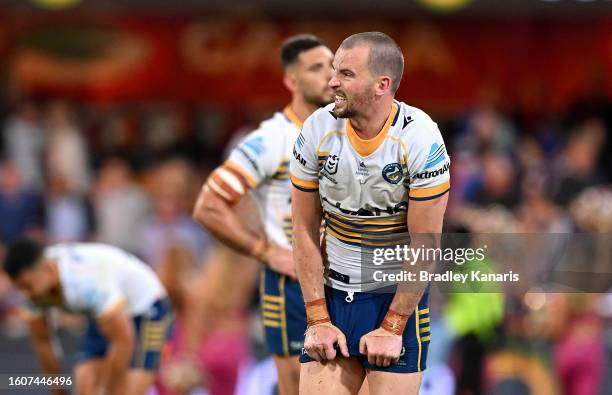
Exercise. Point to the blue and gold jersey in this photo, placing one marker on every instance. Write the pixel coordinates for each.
(365, 185)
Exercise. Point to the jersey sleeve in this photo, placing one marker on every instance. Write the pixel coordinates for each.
(102, 298)
(304, 165)
(254, 160)
(257, 157)
(428, 164)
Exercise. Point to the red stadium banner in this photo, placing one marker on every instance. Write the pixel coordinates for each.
(450, 63)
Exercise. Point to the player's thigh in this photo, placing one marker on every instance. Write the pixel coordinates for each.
(139, 381)
(288, 369)
(365, 389)
(87, 376)
(382, 383)
(342, 376)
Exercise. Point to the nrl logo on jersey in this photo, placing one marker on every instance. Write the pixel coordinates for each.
(331, 164)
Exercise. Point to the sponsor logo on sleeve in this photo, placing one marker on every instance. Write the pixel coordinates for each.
(255, 145)
(430, 174)
(437, 154)
(298, 157)
(300, 141)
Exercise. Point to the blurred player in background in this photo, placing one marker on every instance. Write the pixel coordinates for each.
(261, 164)
(358, 162)
(130, 318)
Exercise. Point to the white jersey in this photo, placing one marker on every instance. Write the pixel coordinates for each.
(262, 160)
(365, 185)
(96, 278)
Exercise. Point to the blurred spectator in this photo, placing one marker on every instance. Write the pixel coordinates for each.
(576, 169)
(217, 347)
(67, 154)
(169, 134)
(171, 225)
(579, 349)
(21, 209)
(121, 207)
(23, 144)
(69, 215)
(487, 129)
(537, 212)
(498, 182)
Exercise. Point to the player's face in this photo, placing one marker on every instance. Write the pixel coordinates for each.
(35, 284)
(313, 71)
(352, 82)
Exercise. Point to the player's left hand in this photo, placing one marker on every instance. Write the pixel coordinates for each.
(381, 347)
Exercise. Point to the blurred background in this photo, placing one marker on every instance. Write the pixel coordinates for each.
(113, 112)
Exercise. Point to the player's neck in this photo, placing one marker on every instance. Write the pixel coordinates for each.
(370, 123)
(301, 108)
(56, 290)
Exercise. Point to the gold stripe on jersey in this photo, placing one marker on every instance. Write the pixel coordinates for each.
(236, 167)
(364, 232)
(429, 192)
(303, 184)
(282, 171)
(292, 116)
(288, 228)
(357, 241)
(324, 138)
(365, 147)
(376, 221)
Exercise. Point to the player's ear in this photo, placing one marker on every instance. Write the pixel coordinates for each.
(290, 81)
(383, 85)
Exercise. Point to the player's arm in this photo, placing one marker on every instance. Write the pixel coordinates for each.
(321, 335)
(44, 343)
(428, 194)
(429, 187)
(117, 327)
(225, 187)
(45, 346)
(213, 209)
(306, 215)
(425, 219)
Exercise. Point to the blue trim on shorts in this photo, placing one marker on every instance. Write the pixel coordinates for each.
(283, 313)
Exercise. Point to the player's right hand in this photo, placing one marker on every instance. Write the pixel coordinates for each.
(280, 260)
(320, 340)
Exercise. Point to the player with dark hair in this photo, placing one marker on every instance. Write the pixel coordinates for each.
(374, 168)
(129, 315)
(260, 164)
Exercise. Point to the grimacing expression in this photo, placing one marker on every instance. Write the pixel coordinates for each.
(352, 82)
(35, 283)
(312, 72)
